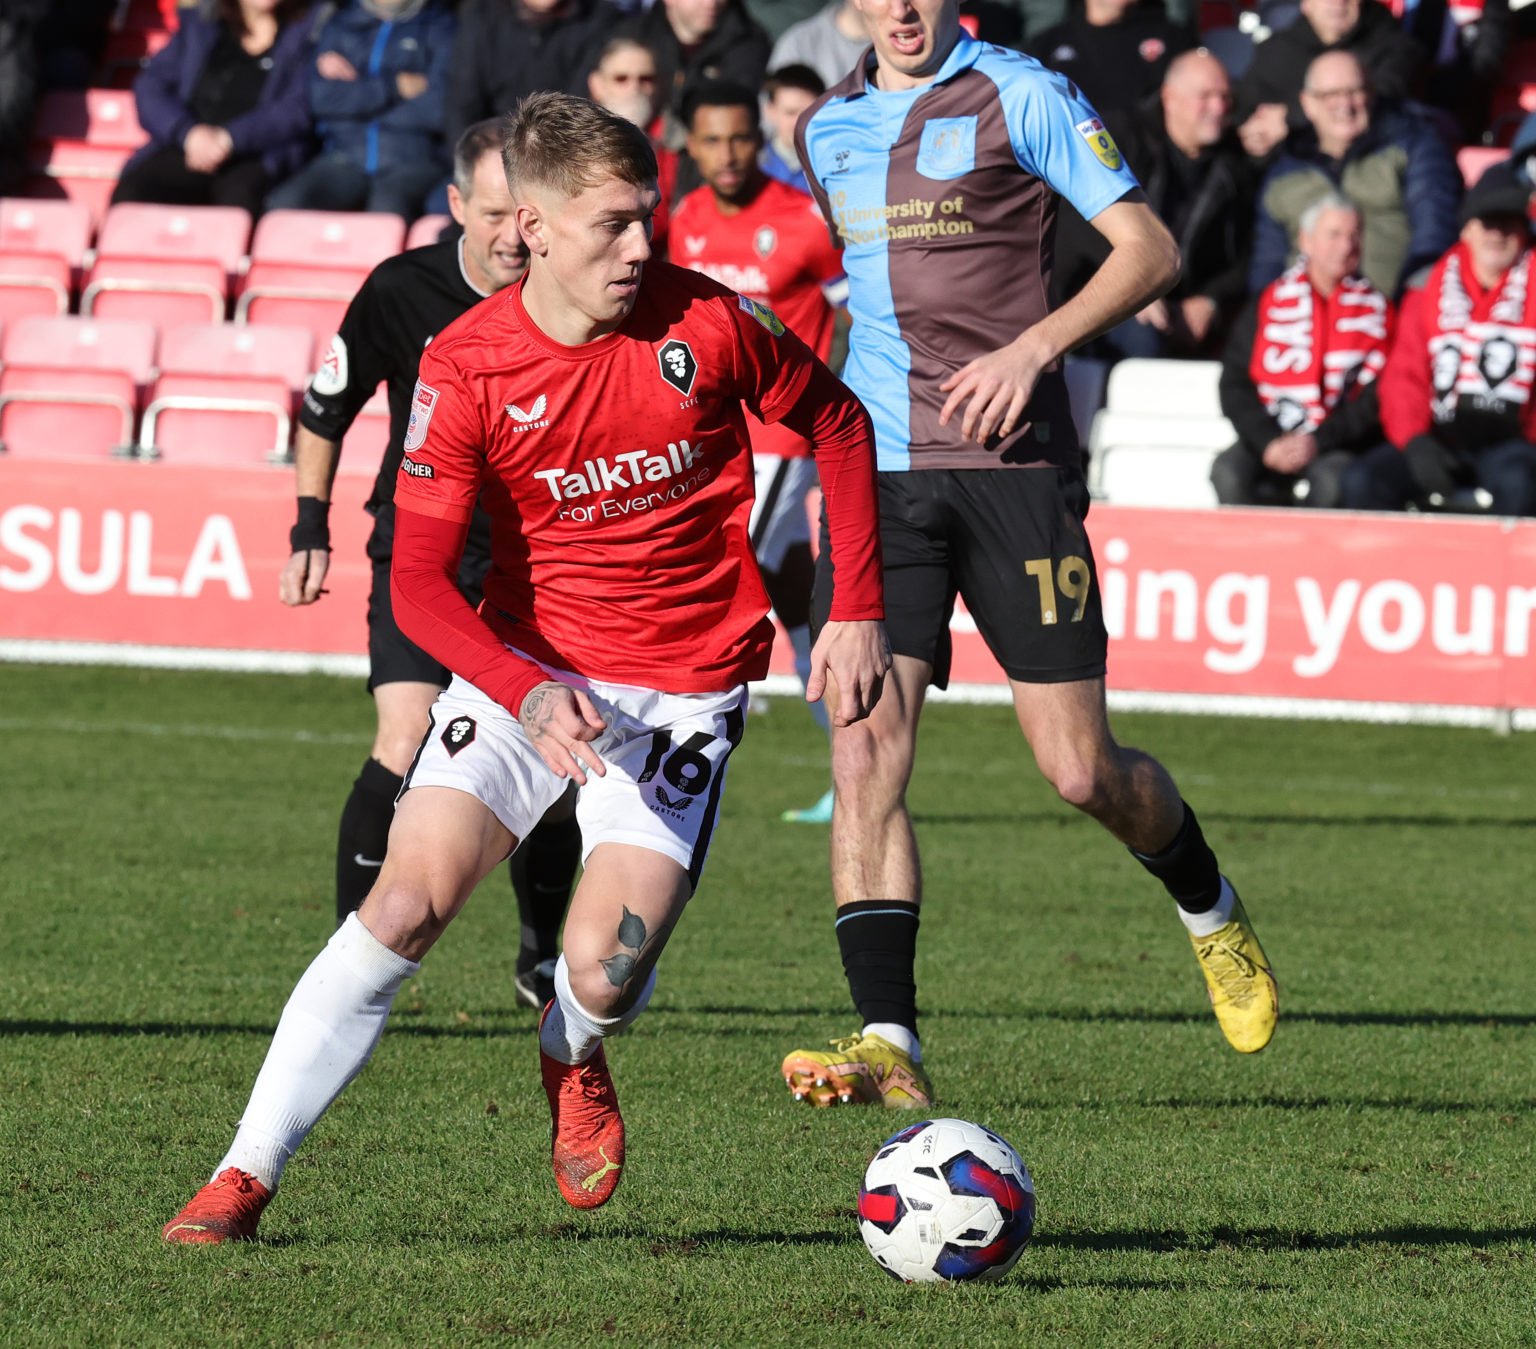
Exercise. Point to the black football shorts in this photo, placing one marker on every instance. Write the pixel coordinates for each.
(1011, 543)
(392, 657)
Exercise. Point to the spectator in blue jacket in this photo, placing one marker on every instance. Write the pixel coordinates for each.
(1382, 156)
(377, 90)
(224, 106)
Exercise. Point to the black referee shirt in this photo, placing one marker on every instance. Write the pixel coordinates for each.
(405, 302)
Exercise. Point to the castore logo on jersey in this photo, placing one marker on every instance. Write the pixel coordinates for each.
(533, 417)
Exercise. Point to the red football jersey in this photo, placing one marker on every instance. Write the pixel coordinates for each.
(775, 250)
(618, 479)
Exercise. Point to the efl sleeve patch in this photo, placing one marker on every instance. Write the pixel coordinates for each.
(423, 400)
(762, 314)
(1100, 142)
(331, 378)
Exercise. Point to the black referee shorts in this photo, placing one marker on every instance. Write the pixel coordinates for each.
(1011, 542)
(392, 657)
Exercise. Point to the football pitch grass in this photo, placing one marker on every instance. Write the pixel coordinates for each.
(165, 875)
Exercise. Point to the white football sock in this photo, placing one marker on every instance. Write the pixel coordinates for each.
(1203, 924)
(904, 1039)
(327, 1032)
(570, 1033)
(800, 641)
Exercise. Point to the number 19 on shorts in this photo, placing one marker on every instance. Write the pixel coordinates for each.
(1068, 580)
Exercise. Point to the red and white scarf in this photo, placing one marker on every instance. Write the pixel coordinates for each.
(1482, 351)
(1311, 350)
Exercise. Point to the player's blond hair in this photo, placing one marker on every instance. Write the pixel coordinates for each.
(569, 144)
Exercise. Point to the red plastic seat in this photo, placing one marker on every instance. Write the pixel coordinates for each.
(171, 264)
(426, 230)
(367, 439)
(80, 141)
(42, 244)
(307, 265)
(1474, 160)
(70, 387)
(226, 394)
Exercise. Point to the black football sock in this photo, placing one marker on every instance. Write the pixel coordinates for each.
(878, 939)
(364, 835)
(1186, 867)
(543, 871)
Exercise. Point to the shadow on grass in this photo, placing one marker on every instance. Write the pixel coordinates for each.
(492, 1026)
(1014, 819)
(1269, 1239)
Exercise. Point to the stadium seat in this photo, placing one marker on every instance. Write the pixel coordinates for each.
(1085, 387)
(70, 387)
(1474, 160)
(307, 265)
(172, 265)
(426, 230)
(1160, 429)
(363, 447)
(226, 394)
(42, 244)
(81, 139)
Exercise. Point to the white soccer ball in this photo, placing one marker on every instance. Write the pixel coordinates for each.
(945, 1200)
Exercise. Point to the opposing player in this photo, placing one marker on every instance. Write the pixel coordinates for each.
(596, 409)
(939, 162)
(403, 303)
(768, 241)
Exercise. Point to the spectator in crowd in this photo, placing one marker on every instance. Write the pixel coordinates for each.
(1465, 48)
(1115, 51)
(698, 40)
(1269, 97)
(830, 42)
(19, 20)
(225, 106)
(624, 82)
(787, 92)
(1456, 398)
(1382, 156)
(1300, 376)
(1197, 178)
(507, 49)
(777, 17)
(376, 91)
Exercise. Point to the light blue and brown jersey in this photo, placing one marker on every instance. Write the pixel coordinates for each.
(944, 199)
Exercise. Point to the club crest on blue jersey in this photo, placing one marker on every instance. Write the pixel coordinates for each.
(948, 147)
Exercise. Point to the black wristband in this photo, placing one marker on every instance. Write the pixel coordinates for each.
(313, 530)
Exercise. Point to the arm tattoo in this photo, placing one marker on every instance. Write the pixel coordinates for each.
(632, 934)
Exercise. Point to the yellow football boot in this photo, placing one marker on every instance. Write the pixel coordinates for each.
(860, 1070)
(1243, 991)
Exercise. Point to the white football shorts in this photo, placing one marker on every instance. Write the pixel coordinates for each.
(665, 754)
(778, 520)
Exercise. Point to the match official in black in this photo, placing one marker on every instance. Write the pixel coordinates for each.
(403, 304)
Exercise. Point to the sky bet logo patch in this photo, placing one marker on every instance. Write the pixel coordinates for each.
(762, 314)
(1100, 142)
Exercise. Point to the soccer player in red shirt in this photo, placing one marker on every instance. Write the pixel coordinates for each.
(770, 242)
(595, 408)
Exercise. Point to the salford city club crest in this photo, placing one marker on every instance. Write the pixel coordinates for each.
(678, 366)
